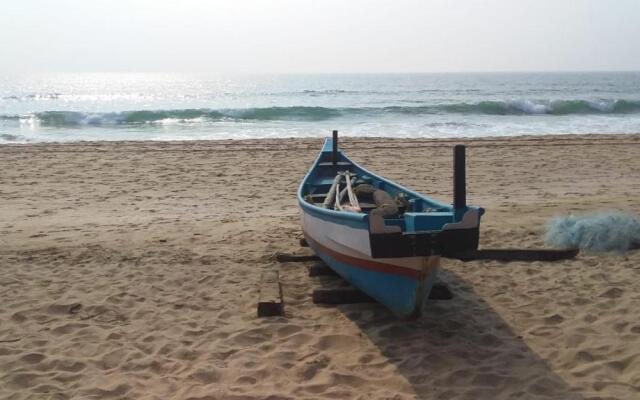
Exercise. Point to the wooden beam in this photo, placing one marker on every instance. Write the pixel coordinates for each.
(351, 295)
(270, 298)
(284, 257)
(440, 291)
(515, 255)
(321, 269)
(348, 295)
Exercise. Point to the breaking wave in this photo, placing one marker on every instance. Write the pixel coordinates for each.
(305, 113)
(138, 117)
(555, 107)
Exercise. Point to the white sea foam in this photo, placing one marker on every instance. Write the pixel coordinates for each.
(76, 107)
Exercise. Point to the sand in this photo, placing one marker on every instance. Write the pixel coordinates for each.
(130, 270)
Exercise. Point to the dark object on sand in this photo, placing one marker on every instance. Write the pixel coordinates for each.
(270, 299)
(514, 254)
(283, 257)
(321, 269)
(351, 295)
(440, 291)
(348, 295)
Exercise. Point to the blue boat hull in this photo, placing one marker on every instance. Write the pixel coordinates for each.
(400, 284)
(392, 259)
(403, 295)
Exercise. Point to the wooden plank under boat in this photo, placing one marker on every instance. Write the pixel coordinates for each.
(392, 259)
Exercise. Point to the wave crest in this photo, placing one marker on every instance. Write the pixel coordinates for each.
(554, 107)
(306, 113)
(137, 117)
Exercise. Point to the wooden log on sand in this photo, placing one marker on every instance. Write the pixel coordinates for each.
(270, 298)
(440, 291)
(348, 295)
(321, 269)
(284, 257)
(351, 295)
(514, 255)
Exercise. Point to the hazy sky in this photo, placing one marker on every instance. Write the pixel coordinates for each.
(229, 36)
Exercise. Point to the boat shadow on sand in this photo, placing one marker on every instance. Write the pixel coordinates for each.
(460, 348)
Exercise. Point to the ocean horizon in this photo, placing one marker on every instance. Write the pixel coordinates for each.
(123, 106)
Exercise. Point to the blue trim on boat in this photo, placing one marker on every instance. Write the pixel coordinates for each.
(328, 145)
(358, 220)
(401, 294)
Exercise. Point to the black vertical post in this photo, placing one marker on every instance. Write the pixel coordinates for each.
(335, 147)
(459, 177)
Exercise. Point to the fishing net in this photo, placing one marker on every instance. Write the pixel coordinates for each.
(606, 231)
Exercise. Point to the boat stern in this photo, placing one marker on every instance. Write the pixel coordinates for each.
(425, 234)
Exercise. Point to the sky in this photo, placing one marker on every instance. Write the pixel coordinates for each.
(321, 36)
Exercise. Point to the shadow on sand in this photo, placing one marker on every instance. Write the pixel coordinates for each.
(460, 348)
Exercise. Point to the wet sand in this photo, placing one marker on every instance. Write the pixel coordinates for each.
(130, 270)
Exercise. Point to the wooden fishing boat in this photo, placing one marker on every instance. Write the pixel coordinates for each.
(394, 258)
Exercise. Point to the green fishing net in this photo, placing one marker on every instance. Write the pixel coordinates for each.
(598, 232)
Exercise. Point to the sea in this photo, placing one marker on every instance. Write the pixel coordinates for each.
(119, 106)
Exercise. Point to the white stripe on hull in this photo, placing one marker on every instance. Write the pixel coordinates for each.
(355, 243)
(334, 235)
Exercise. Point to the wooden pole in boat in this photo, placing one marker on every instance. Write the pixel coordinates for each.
(331, 195)
(338, 206)
(459, 177)
(335, 148)
(353, 199)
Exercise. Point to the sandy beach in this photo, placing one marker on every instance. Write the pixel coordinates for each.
(129, 270)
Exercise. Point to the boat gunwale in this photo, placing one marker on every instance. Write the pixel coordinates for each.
(360, 217)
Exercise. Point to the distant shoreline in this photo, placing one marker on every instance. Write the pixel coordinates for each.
(346, 140)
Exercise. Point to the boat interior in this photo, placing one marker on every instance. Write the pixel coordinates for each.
(414, 211)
